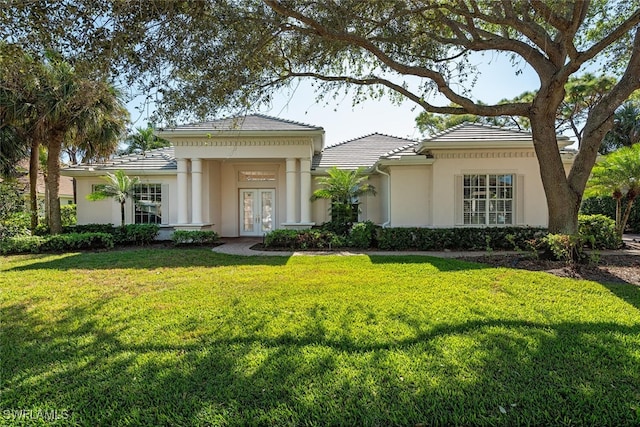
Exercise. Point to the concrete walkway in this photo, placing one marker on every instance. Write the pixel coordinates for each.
(242, 246)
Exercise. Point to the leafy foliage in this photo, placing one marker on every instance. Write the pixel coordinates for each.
(343, 187)
(400, 50)
(599, 232)
(194, 237)
(606, 206)
(56, 243)
(143, 140)
(47, 102)
(618, 175)
(626, 128)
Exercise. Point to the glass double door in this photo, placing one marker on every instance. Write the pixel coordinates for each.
(257, 211)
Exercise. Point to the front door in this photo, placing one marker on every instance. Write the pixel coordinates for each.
(257, 211)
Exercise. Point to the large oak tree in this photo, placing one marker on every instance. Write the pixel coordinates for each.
(207, 57)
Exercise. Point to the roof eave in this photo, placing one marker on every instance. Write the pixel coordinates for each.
(102, 172)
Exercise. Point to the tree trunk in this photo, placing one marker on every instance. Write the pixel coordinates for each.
(122, 214)
(53, 172)
(563, 202)
(33, 183)
(625, 217)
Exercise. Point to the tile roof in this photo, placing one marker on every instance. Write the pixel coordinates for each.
(360, 152)
(252, 122)
(160, 159)
(468, 132)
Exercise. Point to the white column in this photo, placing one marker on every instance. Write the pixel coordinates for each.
(305, 190)
(183, 212)
(196, 191)
(292, 200)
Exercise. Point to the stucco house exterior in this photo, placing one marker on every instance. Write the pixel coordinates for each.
(250, 175)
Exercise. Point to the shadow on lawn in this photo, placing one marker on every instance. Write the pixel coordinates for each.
(485, 372)
(442, 264)
(146, 259)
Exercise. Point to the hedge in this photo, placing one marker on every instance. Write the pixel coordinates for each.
(194, 237)
(56, 243)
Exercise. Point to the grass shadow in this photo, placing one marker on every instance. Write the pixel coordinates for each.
(486, 372)
(442, 264)
(145, 259)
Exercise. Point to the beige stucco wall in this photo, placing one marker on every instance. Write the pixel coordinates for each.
(521, 162)
(410, 195)
(108, 210)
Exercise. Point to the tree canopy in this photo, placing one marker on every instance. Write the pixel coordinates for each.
(46, 102)
(206, 57)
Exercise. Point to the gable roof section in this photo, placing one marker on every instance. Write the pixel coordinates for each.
(470, 135)
(360, 152)
(252, 122)
(158, 161)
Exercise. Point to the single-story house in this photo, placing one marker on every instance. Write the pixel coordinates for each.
(247, 176)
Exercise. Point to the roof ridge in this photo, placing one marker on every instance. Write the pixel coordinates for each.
(292, 122)
(399, 149)
(368, 135)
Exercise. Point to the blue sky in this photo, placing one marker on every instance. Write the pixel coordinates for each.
(342, 121)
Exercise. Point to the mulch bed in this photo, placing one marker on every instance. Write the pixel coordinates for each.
(611, 268)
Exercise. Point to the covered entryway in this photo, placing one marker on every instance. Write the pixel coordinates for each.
(257, 211)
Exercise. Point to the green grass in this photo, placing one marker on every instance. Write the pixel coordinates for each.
(190, 337)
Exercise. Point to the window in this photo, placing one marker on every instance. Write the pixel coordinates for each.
(488, 199)
(148, 199)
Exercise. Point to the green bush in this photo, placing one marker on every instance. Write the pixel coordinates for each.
(565, 247)
(607, 207)
(56, 243)
(281, 239)
(194, 237)
(464, 238)
(135, 234)
(130, 234)
(598, 231)
(68, 215)
(89, 228)
(303, 239)
(362, 235)
(21, 245)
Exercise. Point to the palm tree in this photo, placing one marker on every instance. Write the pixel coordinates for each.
(626, 128)
(20, 84)
(343, 188)
(119, 186)
(618, 175)
(144, 140)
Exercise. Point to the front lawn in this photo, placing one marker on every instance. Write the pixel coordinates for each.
(191, 337)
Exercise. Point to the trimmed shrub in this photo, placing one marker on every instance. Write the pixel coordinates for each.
(57, 243)
(74, 241)
(606, 206)
(598, 232)
(21, 245)
(303, 239)
(281, 239)
(136, 234)
(89, 228)
(194, 237)
(464, 238)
